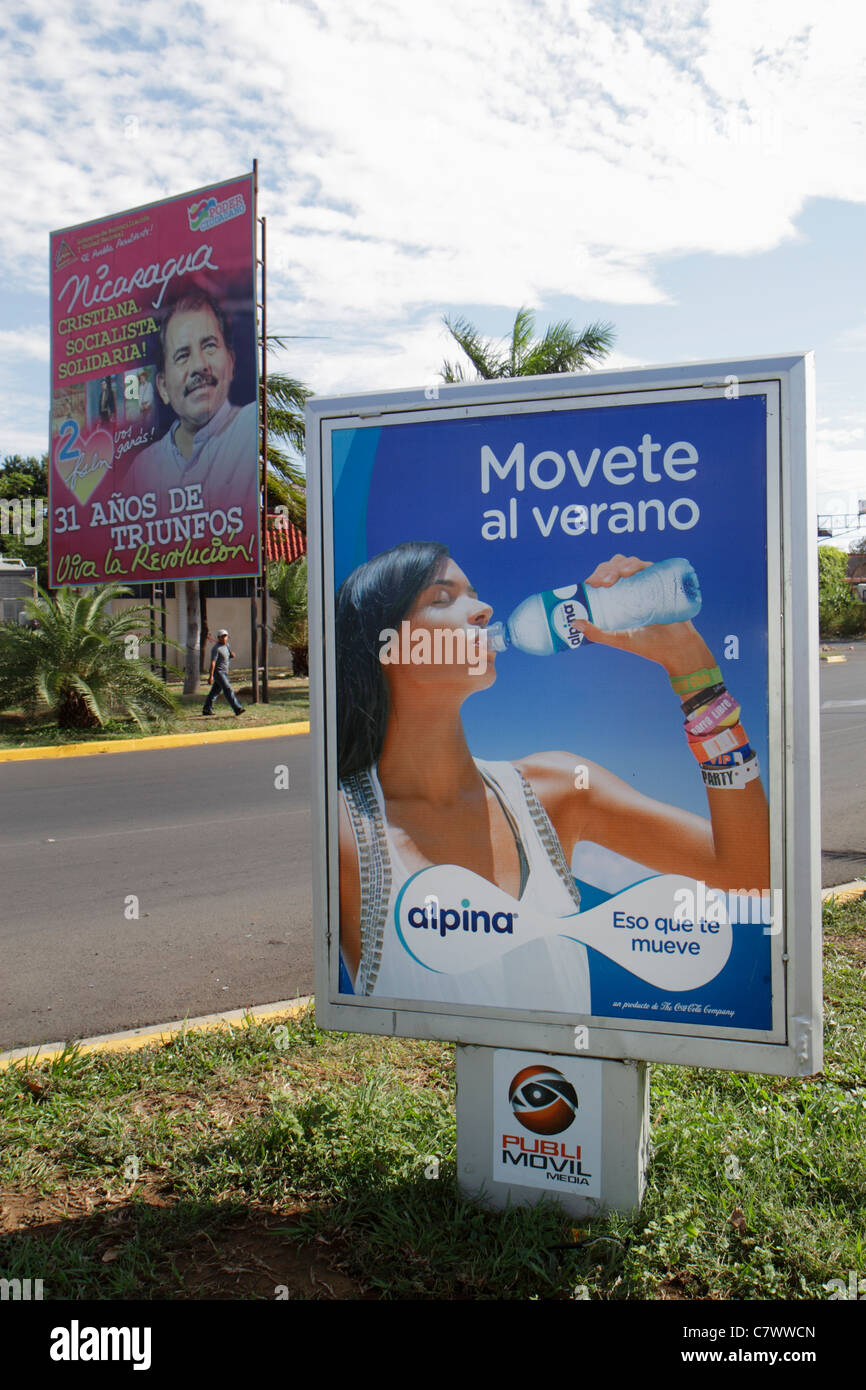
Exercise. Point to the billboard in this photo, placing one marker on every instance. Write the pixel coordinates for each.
(154, 471)
(562, 621)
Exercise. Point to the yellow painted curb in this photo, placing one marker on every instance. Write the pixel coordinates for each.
(143, 745)
(138, 1038)
(831, 659)
(844, 895)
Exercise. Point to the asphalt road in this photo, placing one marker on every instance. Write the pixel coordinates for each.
(217, 857)
(219, 861)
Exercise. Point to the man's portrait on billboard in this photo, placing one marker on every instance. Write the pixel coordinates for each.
(211, 442)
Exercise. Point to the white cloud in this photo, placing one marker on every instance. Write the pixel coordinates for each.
(851, 339)
(18, 343)
(447, 154)
(841, 477)
(840, 438)
(416, 159)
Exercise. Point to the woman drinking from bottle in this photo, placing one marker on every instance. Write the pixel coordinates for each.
(415, 805)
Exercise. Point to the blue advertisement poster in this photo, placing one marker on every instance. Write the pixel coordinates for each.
(552, 705)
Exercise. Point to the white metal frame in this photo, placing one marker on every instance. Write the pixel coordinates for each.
(793, 1046)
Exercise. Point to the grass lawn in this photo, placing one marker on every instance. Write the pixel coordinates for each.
(279, 1161)
(289, 702)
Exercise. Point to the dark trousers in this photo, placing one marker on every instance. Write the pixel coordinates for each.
(221, 685)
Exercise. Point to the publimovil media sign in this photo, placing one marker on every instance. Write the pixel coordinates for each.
(154, 470)
(578, 812)
(547, 1123)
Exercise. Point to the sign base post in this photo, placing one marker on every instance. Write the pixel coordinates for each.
(510, 1151)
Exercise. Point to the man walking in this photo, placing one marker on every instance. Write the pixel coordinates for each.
(218, 678)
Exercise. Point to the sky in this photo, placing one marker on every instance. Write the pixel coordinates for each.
(692, 172)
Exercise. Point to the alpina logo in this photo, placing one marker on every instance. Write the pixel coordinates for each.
(432, 917)
(444, 646)
(564, 617)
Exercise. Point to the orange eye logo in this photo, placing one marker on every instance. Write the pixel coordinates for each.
(543, 1100)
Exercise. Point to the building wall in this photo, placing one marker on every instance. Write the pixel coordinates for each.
(233, 613)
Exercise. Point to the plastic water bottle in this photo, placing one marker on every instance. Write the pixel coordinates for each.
(667, 592)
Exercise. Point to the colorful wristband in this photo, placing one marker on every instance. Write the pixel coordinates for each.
(739, 755)
(703, 697)
(696, 680)
(723, 742)
(722, 713)
(722, 778)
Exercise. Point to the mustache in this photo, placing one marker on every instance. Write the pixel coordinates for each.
(201, 379)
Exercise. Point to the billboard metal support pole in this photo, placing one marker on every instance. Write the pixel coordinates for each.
(163, 622)
(265, 694)
(254, 632)
(159, 589)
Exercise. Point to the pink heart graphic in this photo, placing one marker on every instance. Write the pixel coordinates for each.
(83, 474)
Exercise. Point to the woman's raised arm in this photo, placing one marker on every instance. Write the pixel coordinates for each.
(731, 849)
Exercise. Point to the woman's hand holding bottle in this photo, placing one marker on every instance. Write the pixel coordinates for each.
(678, 647)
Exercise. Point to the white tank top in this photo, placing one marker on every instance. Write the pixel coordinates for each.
(548, 974)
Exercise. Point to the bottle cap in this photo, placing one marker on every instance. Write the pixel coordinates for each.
(497, 638)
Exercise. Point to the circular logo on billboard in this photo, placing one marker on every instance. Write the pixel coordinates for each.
(543, 1100)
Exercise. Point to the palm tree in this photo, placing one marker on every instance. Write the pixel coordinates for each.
(287, 482)
(562, 349)
(287, 584)
(81, 662)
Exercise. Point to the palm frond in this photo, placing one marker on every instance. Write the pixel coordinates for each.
(287, 584)
(562, 348)
(480, 354)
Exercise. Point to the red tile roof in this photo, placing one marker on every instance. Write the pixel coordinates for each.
(283, 541)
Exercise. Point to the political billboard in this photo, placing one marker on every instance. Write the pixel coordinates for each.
(154, 471)
(561, 624)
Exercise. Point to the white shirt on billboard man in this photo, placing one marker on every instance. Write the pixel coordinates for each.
(212, 443)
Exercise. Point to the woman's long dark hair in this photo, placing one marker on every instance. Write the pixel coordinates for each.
(377, 595)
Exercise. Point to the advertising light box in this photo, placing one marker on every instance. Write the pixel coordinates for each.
(154, 471)
(564, 646)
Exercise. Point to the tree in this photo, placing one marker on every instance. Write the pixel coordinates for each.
(81, 662)
(287, 585)
(287, 483)
(20, 477)
(26, 479)
(562, 349)
(839, 613)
